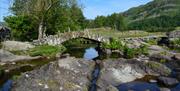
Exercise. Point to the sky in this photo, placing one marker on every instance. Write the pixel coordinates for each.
(91, 8)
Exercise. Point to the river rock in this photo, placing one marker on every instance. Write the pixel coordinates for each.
(154, 49)
(177, 56)
(115, 72)
(158, 57)
(16, 45)
(111, 88)
(68, 74)
(6, 56)
(165, 89)
(168, 81)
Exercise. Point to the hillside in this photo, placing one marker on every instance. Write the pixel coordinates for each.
(153, 9)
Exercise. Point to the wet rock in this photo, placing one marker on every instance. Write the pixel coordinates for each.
(65, 55)
(154, 49)
(178, 75)
(158, 57)
(111, 88)
(68, 74)
(165, 89)
(168, 81)
(6, 56)
(108, 51)
(115, 72)
(16, 45)
(177, 88)
(177, 56)
(138, 86)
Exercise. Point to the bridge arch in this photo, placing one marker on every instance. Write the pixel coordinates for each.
(62, 37)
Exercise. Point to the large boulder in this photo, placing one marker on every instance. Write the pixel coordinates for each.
(16, 46)
(115, 72)
(68, 74)
(6, 56)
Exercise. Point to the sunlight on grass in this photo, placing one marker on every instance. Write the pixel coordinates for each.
(117, 34)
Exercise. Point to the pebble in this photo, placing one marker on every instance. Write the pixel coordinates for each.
(46, 86)
(6, 70)
(61, 88)
(40, 84)
(153, 81)
(27, 75)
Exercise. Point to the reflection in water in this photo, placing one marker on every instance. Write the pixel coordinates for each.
(138, 86)
(7, 86)
(177, 88)
(90, 54)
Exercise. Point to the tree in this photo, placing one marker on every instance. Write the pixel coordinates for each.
(42, 10)
(23, 27)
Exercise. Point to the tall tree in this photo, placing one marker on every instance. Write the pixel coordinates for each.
(41, 10)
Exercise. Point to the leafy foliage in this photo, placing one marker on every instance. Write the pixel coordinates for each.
(114, 44)
(128, 52)
(44, 17)
(161, 23)
(157, 15)
(114, 21)
(23, 27)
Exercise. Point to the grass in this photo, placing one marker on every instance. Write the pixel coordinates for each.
(152, 42)
(125, 34)
(46, 50)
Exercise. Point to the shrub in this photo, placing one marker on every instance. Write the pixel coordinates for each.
(143, 49)
(176, 42)
(113, 44)
(129, 52)
(46, 50)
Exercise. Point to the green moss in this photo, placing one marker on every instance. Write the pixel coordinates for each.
(152, 42)
(15, 77)
(164, 53)
(153, 64)
(46, 50)
(162, 61)
(69, 85)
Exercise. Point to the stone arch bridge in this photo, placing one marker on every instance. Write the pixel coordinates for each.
(63, 37)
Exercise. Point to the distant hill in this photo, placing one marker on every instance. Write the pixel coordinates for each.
(153, 9)
(157, 15)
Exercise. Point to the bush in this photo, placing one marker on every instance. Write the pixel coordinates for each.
(113, 44)
(134, 52)
(46, 50)
(129, 52)
(176, 42)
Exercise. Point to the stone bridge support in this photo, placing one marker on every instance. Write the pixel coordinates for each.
(62, 37)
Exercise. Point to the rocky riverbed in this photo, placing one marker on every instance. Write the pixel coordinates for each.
(74, 74)
(158, 71)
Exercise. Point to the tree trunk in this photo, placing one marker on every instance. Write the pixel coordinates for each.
(41, 30)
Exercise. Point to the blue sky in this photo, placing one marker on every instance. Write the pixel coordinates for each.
(91, 8)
